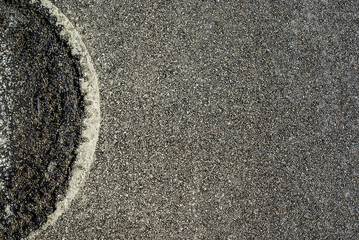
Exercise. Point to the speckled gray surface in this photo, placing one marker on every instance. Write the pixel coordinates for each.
(221, 120)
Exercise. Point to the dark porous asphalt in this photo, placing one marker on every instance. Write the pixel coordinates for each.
(221, 120)
(40, 111)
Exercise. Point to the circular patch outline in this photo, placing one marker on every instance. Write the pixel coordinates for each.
(91, 122)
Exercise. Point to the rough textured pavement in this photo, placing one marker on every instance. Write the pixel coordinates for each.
(41, 112)
(221, 120)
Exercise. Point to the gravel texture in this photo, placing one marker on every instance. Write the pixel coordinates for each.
(221, 120)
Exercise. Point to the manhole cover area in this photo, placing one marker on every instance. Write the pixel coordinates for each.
(40, 116)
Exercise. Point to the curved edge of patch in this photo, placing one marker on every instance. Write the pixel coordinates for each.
(91, 123)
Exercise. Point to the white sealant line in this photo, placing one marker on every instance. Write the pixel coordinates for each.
(91, 123)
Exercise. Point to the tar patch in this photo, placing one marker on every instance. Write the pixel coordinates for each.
(41, 113)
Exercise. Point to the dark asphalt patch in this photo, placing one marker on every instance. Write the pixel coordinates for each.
(44, 102)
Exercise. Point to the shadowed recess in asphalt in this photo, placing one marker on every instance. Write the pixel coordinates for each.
(40, 116)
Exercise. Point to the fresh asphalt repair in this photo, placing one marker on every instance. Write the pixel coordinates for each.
(41, 111)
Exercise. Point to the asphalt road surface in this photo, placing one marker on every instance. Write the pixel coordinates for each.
(220, 120)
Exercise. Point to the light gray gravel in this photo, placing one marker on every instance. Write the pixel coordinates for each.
(221, 120)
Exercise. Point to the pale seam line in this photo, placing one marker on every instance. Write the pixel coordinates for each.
(91, 124)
